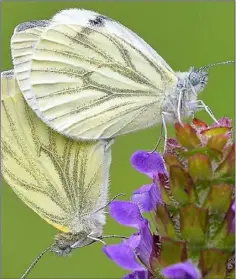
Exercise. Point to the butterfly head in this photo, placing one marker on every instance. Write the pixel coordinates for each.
(197, 79)
(65, 242)
(189, 85)
(184, 101)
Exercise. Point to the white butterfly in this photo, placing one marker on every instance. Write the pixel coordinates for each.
(64, 181)
(89, 77)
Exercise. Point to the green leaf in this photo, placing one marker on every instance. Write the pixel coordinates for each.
(171, 252)
(217, 142)
(199, 167)
(216, 131)
(193, 224)
(204, 150)
(225, 237)
(231, 274)
(227, 167)
(213, 263)
(222, 192)
(163, 222)
(181, 185)
(186, 136)
(171, 160)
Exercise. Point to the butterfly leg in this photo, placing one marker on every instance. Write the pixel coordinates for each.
(201, 105)
(163, 127)
(105, 236)
(179, 107)
(165, 130)
(114, 236)
(159, 139)
(96, 239)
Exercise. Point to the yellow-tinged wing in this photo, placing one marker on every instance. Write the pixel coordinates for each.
(60, 179)
(96, 81)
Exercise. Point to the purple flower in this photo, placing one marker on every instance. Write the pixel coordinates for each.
(184, 270)
(126, 213)
(233, 207)
(123, 255)
(148, 163)
(147, 197)
(144, 249)
(130, 253)
(135, 251)
(233, 222)
(142, 274)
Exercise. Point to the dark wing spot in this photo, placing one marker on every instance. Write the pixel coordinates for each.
(32, 24)
(98, 21)
(8, 73)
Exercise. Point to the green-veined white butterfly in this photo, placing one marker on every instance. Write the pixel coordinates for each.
(63, 181)
(89, 77)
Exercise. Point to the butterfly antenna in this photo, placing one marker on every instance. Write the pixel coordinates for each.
(101, 208)
(215, 64)
(28, 270)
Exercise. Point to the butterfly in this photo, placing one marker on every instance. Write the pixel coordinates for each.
(90, 78)
(64, 181)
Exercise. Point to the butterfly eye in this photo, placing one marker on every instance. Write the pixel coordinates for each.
(194, 78)
(204, 79)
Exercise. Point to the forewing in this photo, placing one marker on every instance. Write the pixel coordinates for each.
(23, 42)
(58, 178)
(96, 21)
(91, 84)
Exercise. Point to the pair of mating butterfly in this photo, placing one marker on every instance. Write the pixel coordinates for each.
(86, 79)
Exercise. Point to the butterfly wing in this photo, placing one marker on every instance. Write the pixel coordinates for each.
(96, 21)
(60, 179)
(23, 42)
(93, 82)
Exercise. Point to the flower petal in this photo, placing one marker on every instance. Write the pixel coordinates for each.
(147, 163)
(233, 222)
(143, 274)
(184, 270)
(147, 197)
(144, 248)
(233, 207)
(223, 122)
(126, 213)
(123, 255)
(133, 241)
(199, 124)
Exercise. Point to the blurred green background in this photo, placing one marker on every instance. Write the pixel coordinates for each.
(184, 34)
